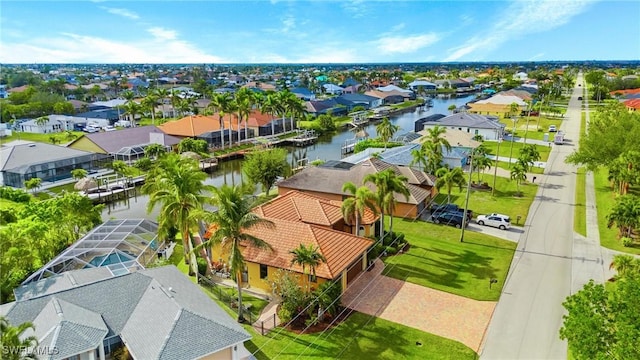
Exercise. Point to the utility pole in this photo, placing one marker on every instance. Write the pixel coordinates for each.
(495, 169)
(466, 202)
(512, 140)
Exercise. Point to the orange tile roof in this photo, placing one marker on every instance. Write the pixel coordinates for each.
(633, 104)
(339, 248)
(258, 118)
(625, 92)
(195, 125)
(310, 209)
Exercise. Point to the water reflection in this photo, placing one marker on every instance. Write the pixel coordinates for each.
(327, 148)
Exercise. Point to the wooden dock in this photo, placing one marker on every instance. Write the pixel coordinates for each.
(208, 165)
(113, 187)
(306, 138)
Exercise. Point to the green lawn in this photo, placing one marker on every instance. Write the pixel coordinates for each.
(542, 123)
(45, 138)
(504, 201)
(505, 149)
(358, 337)
(61, 188)
(437, 259)
(580, 212)
(505, 165)
(605, 199)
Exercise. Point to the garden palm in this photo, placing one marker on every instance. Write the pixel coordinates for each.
(386, 130)
(434, 136)
(355, 206)
(449, 178)
(233, 218)
(387, 183)
(307, 257)
(13, 338)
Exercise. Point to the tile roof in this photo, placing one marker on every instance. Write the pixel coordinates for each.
(307, 208)
(191, 126)
(331, 180)
(633, 104)
(162, 296)
(339, 248)
(112, 141)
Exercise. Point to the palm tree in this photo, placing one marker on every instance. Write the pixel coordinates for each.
(625, 214)
(33, 184)
(221, 104)
(519, 174)
(386, 130)
(450, 178)
(177, 185)
(243, 107)
(514, 109)
(271, 106)
(294, 106)
(41, 122)
(434, 136)
(624, 265)
(355, 206)
(162, 93)
(154, 150)
(480, 159)
(387, 183)
(150, 102)
(233, 218)
(132, 109)
(307, 257)
(128, 95)
(419, 157)
(13, 337)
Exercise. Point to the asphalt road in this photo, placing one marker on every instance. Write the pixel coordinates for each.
(528, 317)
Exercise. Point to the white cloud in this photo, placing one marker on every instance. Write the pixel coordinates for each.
(76, 48)
(121, 12)
(405, 44)
(397, 27)
(518, 19)
(288, 23)
(162, 33)
(357, 8)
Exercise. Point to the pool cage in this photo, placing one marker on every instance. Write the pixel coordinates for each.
(122, 246)
(130, 154)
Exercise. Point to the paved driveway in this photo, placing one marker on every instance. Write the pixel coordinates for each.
(437, 312)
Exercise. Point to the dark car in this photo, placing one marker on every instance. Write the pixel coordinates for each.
(450, 208)
(579, 97)
(451, 219)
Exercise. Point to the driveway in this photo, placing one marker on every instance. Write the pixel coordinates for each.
(436, 312)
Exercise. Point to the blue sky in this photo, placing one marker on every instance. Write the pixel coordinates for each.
(347, 31)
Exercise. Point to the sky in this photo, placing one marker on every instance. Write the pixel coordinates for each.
(317, 31)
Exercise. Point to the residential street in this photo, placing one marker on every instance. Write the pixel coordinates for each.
(529, 314)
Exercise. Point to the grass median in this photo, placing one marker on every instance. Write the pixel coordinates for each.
(580, 213)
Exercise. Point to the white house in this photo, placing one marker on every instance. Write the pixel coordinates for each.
(47, 126)
(487, 127)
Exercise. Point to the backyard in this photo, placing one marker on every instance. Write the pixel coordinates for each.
(437, 259)
(538, 126)
(505, 149)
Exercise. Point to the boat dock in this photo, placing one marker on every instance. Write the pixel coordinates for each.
(208, 165)
(113, 187)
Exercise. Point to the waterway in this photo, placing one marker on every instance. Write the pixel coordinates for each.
(328, 147)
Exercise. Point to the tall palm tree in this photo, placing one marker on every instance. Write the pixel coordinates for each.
(427, 157)
(150, 102)
(13, 337)
(434, 136)
(519, 174)
(354, 207)
(386, 130)
(162, 94)
(221, 104)
(307, 257)
(243, 105)
(177, 185)
(233, 218)
(480, 159)
(132, 109)
(449, 178)
(271, 106)
(387, 183)
(294, 107)
(625, 214)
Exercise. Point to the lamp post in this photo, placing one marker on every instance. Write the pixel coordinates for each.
(495, 169)
(512, 140)
(466, 202)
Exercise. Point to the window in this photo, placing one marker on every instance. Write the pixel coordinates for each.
(476, 132)
(264, 272)
(361, 231)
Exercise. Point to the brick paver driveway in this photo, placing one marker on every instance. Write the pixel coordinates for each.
(440, 313)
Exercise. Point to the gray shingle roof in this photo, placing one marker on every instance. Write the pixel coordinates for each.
(331, 180)
(112, 141)
(22, 156)
(159, 314)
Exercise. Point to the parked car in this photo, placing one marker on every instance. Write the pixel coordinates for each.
(108, 128)
(450, 208)
(91, 129)
(495, 221)
(580, 98)
(552, 128)
(506, 217)
(451, 219)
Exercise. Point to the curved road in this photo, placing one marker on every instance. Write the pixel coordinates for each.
(528, 317)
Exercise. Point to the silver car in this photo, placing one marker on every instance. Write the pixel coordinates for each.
(500, 222)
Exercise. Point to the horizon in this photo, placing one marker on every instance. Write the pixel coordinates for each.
(317, 32)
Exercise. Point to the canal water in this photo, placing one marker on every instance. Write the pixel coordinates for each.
(328, 147)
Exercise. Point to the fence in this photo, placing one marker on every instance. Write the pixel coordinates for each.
(219, 291)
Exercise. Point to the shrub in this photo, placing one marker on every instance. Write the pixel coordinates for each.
(627, 241)
(144, 164)
(15, 195)
(390, 250)
(284, 314)
(376, 250)
(202, 266)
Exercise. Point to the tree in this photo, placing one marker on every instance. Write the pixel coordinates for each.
(514, 110)
(33, 184)
(41, 122)
(243, 105)
(434, 136)
(625, 265)
(603, 323)
(451, 108)
(293, 106)
(221, 103)
(386, 130)
(176, 184)
(354, 207)
(387, 183)
(155, 151)
(132, 109)
(307, 257)
(529, 155)
(150, 102)
(264, 167)
(519, 174)
(449, 178)
(78, 174)
(625, 214)
(480, 160)
(231, 222)
(271, 106)
(196, 146)
(15, 343)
